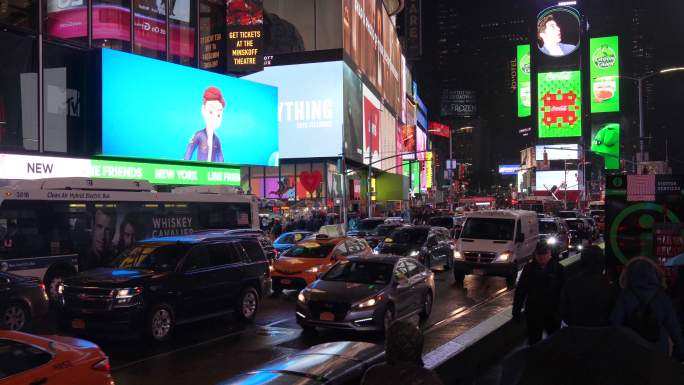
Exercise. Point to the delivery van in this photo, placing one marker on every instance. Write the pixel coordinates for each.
(496, 242)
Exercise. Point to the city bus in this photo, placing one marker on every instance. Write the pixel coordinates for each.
(53, 228)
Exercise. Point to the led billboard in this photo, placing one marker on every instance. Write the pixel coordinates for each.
(69, 20)
(309, 108)
(14, 166)
(372, 108)
(509, 169)
(353, 114)
(605, 69)
(558, 31)
(371, 46)
(560, 108)
(524, 81)
(546, 180)
(606, 142)
(199, 115)
(557, 151)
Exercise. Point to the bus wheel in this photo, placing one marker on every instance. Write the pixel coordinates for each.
(52, 282)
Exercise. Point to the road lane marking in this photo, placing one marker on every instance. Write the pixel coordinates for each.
(170, 352)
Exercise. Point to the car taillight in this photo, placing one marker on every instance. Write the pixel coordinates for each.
(42, 286)
(103, 365)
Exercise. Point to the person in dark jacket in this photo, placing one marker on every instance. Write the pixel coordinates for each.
(588, 298)
(643, 285)
(539, 290)
(403, 353)
(277, 229)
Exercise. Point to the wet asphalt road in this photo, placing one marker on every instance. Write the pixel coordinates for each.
(218, 349)
(215, 350)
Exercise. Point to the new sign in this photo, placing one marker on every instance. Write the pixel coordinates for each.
(37, 167)
(605, 69)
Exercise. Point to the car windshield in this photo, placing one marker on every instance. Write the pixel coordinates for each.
(368, 224)
(382, 231)
(370, 273)
(488, 228)
(309, 250)
(447, 222)
(409, 236)
(290, 238)
(574, 224)
(150, 256)
(547, 227)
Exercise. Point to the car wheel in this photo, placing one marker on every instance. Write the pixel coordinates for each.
(247, 304)
(427, 306)
(15, 316)
(52, 282)
(160, 322)
(388, 318)
(459, 278)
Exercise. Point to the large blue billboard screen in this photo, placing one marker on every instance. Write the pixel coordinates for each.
(157, 110)
(310, 108)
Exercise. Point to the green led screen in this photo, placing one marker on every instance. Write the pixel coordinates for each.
(524, 82)
(605, 69)
(559, 96)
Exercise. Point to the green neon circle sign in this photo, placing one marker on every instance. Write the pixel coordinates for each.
(643, 221)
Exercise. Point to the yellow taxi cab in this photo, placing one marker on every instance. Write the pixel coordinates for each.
(29, 359)
(305, 261)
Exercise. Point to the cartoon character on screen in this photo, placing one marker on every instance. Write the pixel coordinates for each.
(205, 141)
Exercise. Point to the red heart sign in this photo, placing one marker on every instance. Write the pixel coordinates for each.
(310, 180)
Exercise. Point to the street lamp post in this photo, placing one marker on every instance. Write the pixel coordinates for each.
(640, 84)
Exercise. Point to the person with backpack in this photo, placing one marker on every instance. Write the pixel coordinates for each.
(644, 307)
(588, 297)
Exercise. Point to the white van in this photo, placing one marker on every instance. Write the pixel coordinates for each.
(496, 242)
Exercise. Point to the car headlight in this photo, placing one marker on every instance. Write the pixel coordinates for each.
(503, 257)
(370, 302)
(414, 253)
(60, 288)
(312, 270)
(376, 251)
(128, 292)
(458, 255)
(303, 296)
(580, 247)
(551, 241)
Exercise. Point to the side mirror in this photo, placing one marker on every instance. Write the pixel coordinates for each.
(520, 238)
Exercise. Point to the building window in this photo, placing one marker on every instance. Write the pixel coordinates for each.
(18, 93)
(65, 103)
(18, 13)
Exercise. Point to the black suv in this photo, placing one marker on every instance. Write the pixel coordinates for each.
(430, 245)
(163, 282)
(262, 237)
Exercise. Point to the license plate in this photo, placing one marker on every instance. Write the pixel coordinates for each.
(78, 324)
(478, 272)
(285, 282)
(327, 316)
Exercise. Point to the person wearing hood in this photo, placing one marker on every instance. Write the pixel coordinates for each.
(404, 362)
(643, 292)
(588, 298)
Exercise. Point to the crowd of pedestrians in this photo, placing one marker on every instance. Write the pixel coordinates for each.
(638, 302)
